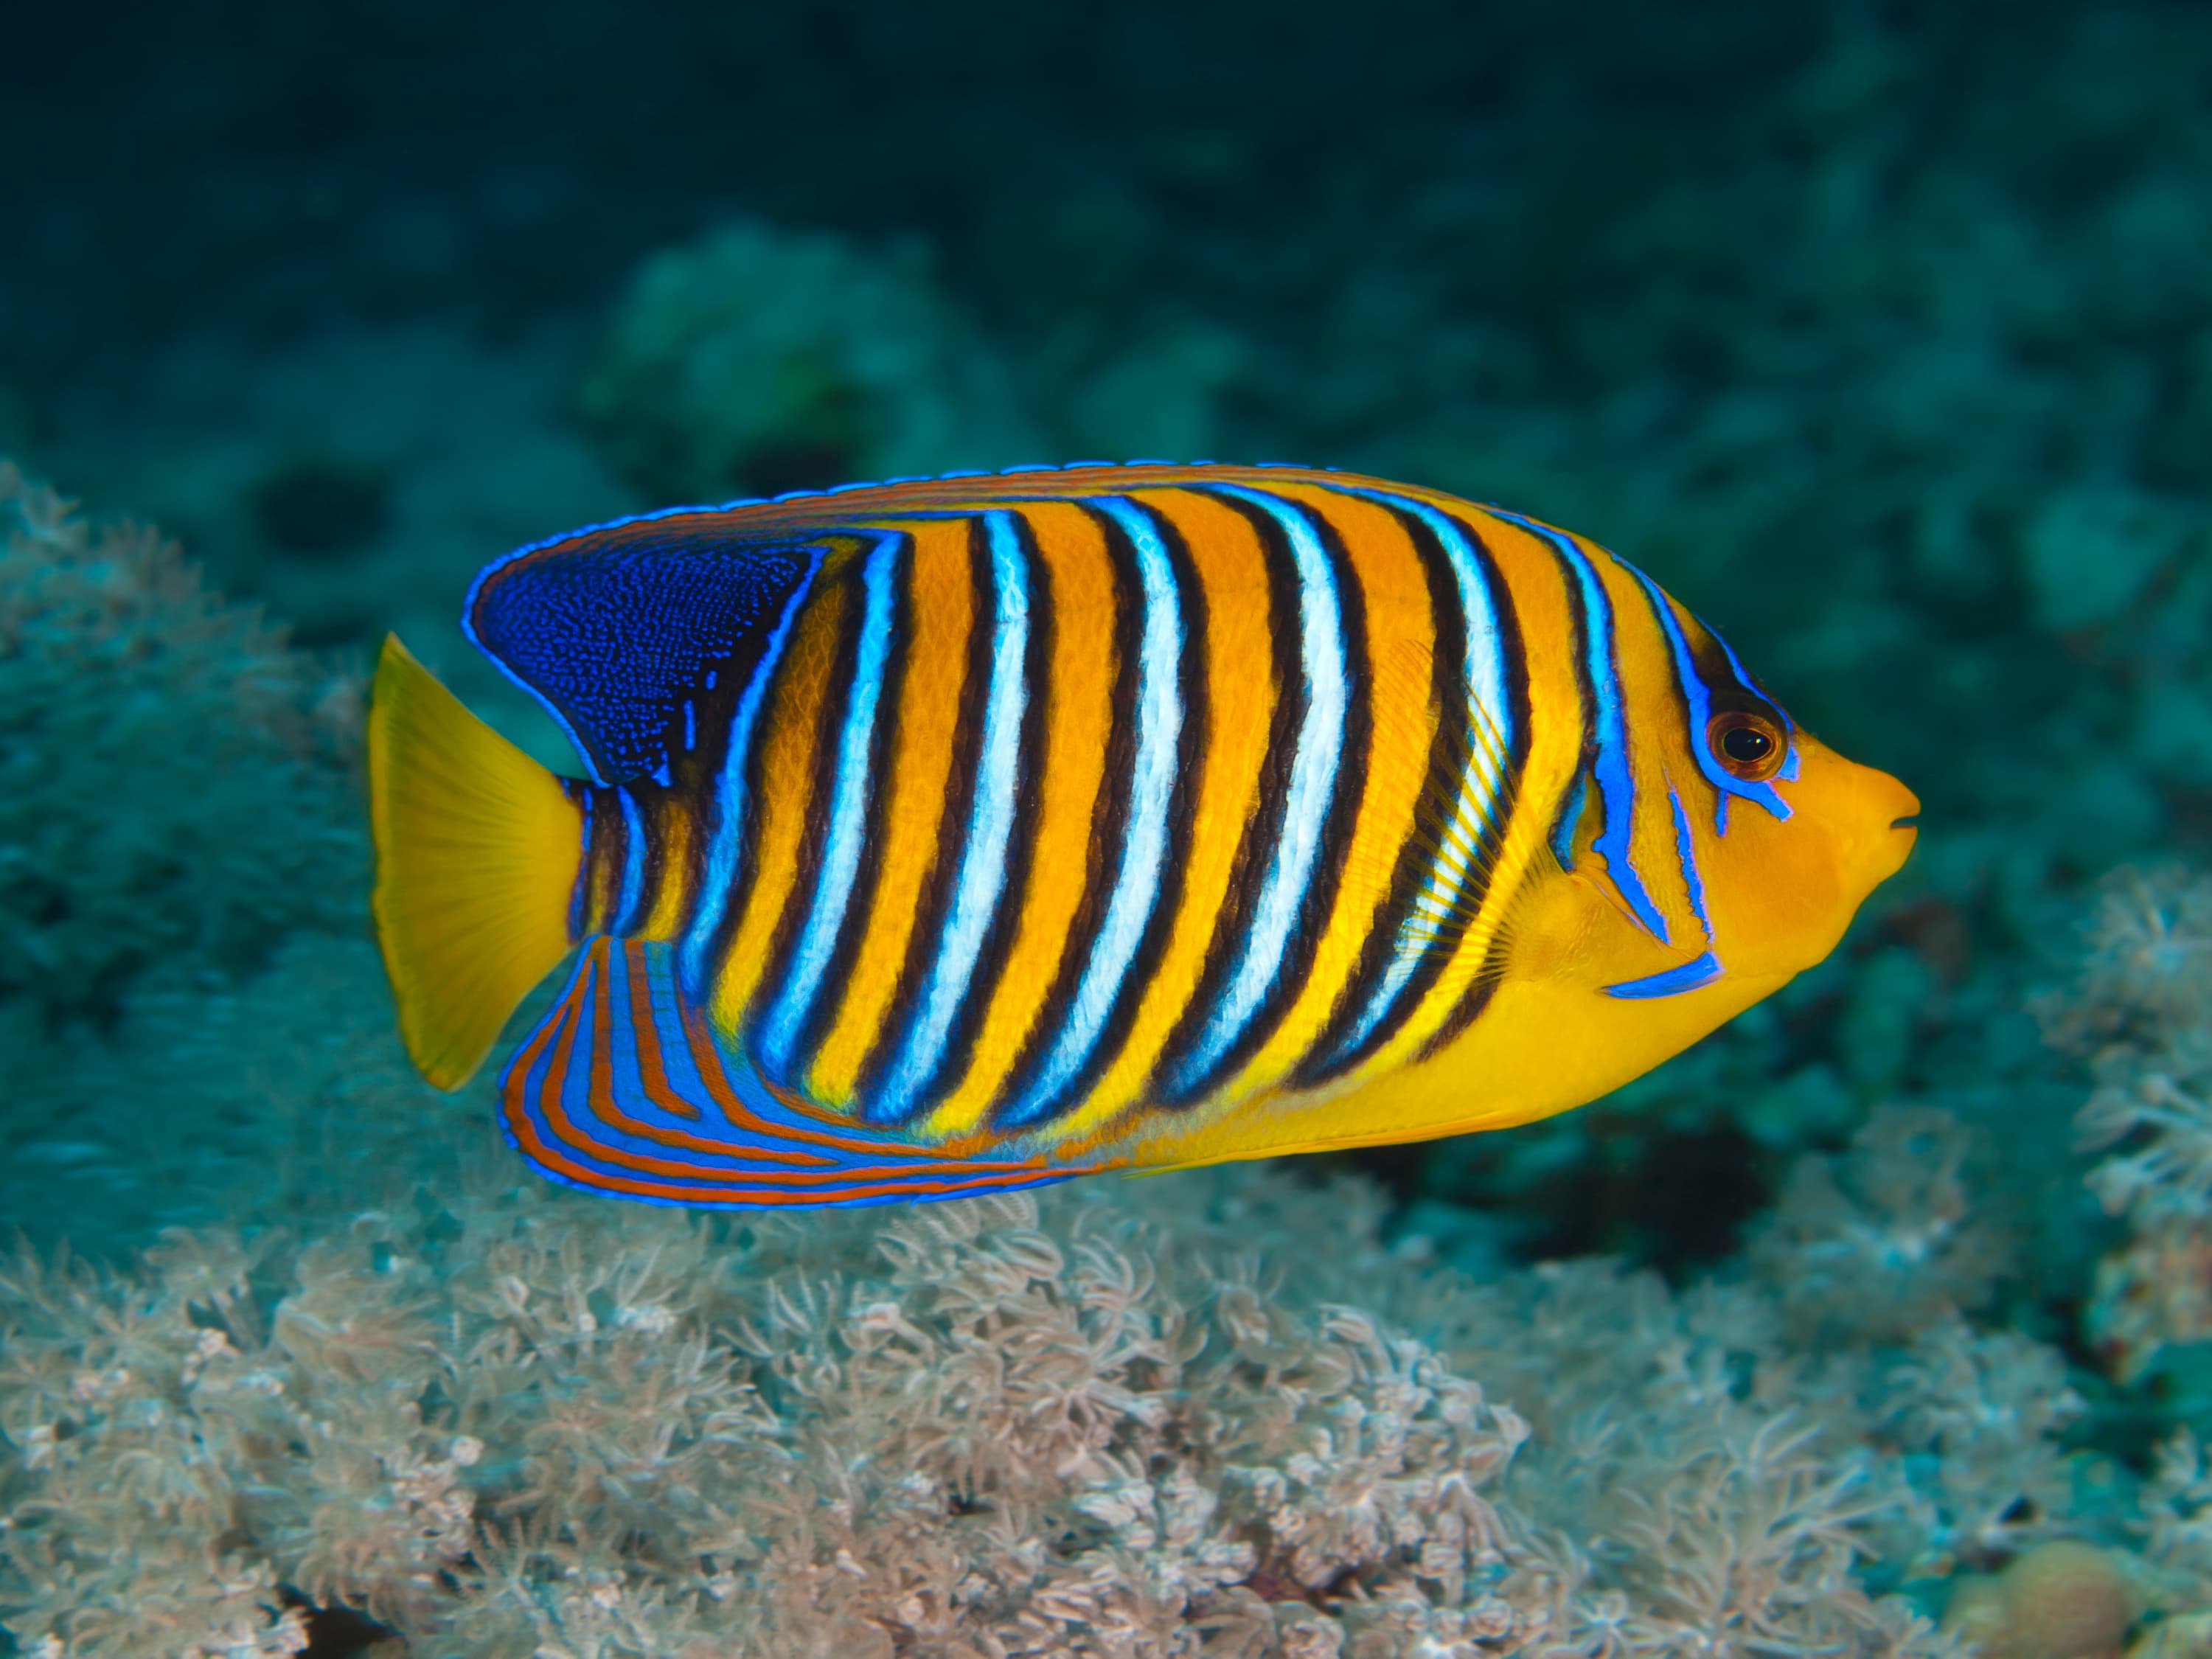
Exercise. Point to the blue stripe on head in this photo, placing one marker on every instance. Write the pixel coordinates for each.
(1685, 850)
(633, 887)
(1307, 797)
(848, 814)
(1144, 842)
(1616, 783)
(1789, 767)
(729, 801)
(1672, 982)
(1484, 669)
(981, 886)
(1698, 706)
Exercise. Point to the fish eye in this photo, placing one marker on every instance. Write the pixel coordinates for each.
(1749, 745)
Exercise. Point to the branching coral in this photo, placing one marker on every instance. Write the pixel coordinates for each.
(122, 679)
(1884, 1241)
(2141, 1011)
(539, 1425)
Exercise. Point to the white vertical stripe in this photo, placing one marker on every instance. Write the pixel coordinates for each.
(1487, 709)
(721, 871)
(1312, 786)
(1144, 835)
(1612, 767)
(848, 815)
(980, 884)
(633, 887)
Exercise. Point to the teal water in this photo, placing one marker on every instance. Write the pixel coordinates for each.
(1880, 336)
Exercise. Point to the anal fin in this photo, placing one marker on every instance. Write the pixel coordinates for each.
(624, 1089)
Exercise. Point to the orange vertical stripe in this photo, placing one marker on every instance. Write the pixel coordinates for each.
(787, 734)
(1241, 693)
(1079, 579)
(919, 763)
(1400, 635)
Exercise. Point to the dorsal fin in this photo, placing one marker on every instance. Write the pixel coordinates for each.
(613, 626)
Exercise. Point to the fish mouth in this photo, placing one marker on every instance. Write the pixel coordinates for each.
(1891, 846)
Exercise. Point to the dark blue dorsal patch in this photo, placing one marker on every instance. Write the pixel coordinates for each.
(612, 627)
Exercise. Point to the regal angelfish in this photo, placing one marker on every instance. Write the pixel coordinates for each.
(952, 836)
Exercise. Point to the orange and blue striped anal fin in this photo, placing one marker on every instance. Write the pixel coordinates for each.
(624, 1088)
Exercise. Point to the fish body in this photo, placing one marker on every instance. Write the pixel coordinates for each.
(955, 834)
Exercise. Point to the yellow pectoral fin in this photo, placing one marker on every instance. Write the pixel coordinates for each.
(1587, 1000)
(1576, 927)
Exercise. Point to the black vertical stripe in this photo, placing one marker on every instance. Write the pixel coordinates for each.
(1355, 752)
(1415, 858)
(1256, 845)
(1191, 760)
(1472, 1002)
(1476, 996)
(883, 738)
(718, 714)
(608, 846)
(1448, 756)
(821, 784)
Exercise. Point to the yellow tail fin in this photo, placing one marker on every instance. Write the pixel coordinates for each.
(476, 852)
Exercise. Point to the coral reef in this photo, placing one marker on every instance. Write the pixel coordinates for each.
(1885, 1241)
(363, 1388)
(1101, 1423)
(1118, 1419)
